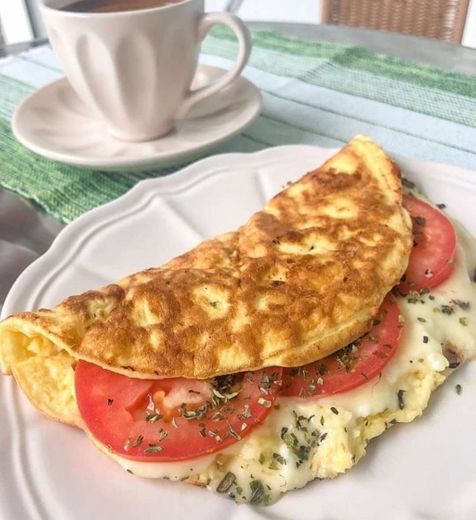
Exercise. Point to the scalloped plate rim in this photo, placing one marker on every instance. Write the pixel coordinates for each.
(185, 179)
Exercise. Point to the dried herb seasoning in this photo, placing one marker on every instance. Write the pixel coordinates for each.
(226, 483)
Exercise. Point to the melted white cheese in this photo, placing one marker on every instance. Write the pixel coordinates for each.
(336, 429)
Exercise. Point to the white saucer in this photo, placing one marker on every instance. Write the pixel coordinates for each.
(55, 123)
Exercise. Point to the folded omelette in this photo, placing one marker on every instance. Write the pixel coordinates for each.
(303, 278)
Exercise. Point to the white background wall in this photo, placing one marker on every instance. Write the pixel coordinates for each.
(15, 22)
(308, 11)
(469, 35)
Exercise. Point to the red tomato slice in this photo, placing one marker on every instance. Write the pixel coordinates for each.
(172, 419)
(353, 365)
(433, 254)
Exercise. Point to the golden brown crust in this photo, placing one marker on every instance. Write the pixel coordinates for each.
(301, 279)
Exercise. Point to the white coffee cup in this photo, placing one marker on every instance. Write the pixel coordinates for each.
(134, 69)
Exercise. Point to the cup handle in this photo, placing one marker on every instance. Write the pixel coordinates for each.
(244, 41)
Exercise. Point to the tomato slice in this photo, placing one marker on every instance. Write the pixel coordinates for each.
(433, 254)
(172, 419)
(353, 365)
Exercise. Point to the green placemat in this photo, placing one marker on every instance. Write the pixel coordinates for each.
(314, 93)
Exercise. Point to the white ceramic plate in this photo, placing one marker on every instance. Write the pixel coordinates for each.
(422, 470)
(54, 122)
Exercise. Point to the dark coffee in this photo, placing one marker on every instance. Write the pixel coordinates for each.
(109, 6)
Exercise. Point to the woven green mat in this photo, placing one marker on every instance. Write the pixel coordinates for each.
(314, 92)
